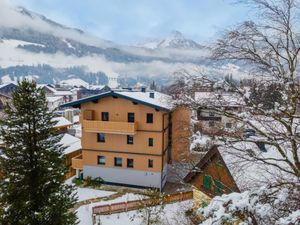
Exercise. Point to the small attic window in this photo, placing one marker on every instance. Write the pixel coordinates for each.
(151, 94)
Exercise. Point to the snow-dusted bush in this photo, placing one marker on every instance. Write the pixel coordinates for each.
(200, 142)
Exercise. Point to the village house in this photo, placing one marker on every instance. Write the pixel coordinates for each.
(72, 149)
(62, 124)
(66, 94)
(230, 168)
(4, 100)
(71, 143)
(54, 102)
(210, 120)
(127, 137)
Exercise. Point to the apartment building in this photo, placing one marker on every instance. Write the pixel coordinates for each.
(126, 137)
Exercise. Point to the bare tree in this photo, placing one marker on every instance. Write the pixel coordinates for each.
(269, 48)
(151, 209)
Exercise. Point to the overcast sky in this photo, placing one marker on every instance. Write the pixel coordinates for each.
(131, 21)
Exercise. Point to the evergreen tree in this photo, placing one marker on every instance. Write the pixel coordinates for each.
(32, 189)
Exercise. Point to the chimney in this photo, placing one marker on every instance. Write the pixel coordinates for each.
(151, 94)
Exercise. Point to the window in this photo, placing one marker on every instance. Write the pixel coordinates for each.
(129, 163)
(206, 182)
(228, 125)
(211, 123)
(118, 161)
(199, 114)
(130, 117)
(149, 118)
(129, 139)
(101, 137)
(150, 163)
(218, 188)
(150, 142)
(105, 116)
(101, 160)
(211, 114)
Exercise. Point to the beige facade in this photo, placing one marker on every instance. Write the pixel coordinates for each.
(148, 147)
(130, 141)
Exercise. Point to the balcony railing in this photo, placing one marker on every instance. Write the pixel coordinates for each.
(77, 162)
(111, 127)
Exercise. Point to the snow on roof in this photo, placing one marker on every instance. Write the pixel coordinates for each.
(248, 172)
(54, 91)
(6, 84)
(219, 99)
(74, 82)
(159, 99)
(71, 143)
(54, 98)
(96, 87)
(61, 122)
(152, 99)
(62, 93)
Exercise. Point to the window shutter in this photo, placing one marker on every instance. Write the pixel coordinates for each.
(206, 182)
(218, 188)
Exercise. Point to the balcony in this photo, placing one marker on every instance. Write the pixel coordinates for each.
(77, 162)
(110, 127)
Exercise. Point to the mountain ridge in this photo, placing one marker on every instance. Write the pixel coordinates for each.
(31, 40)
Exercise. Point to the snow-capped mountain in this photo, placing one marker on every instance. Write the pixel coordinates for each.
(32, 45)
(175, 40)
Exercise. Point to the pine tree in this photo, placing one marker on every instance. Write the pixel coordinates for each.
(32, 189)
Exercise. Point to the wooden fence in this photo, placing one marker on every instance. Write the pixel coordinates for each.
(136, 204)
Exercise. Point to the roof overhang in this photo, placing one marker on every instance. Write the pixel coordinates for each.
(77, 103)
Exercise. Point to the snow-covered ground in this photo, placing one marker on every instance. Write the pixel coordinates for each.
(84, 213)
(173, 214)
(89, 193)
